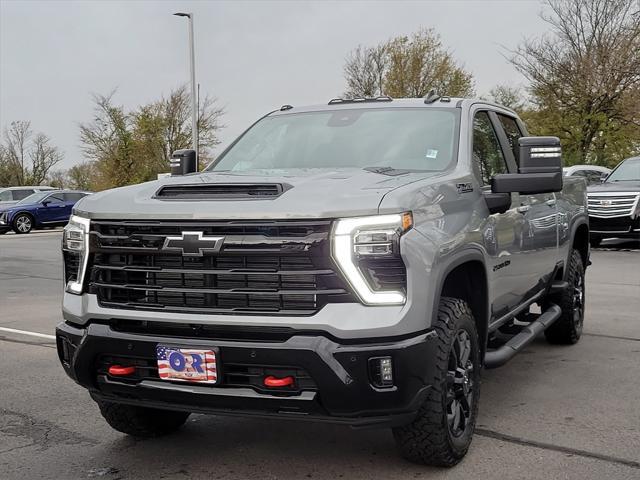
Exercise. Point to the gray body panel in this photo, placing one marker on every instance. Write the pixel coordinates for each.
(519, 249)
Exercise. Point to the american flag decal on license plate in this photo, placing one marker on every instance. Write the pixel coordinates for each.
(187, 364)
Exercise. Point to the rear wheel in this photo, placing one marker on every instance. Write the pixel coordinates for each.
(23, 223)
(568, 328)
(142, 422)
(442, 432)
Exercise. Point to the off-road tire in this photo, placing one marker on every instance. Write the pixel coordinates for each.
(23, 223)
(429, 439)
(567, 329)
(141, 422)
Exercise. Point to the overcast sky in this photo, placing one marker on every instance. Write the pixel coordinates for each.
(252, 56)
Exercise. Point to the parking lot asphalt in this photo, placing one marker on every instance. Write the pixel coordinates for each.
(551, 413)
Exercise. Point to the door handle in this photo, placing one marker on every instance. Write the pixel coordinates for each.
(523, 208)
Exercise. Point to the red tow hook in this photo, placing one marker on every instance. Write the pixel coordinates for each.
(275, 382)
(120, 371)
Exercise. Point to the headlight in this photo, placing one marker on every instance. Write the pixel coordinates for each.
(75, 250)
(358, 240)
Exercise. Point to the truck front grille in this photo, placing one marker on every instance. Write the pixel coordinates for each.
(278, 267)
(614, 204)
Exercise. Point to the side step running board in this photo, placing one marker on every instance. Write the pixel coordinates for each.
(500, 356)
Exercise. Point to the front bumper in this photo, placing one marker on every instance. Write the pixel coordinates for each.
(618, 227)
(340, 388)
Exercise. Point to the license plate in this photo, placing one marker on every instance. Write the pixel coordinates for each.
(187, 364)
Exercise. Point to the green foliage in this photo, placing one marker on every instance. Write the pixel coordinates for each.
(585, 79)
(406, 66)
(124, 148)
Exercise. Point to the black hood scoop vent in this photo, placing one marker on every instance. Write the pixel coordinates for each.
(221, 191)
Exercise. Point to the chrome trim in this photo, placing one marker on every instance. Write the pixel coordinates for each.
(620, 204)
(612, 231)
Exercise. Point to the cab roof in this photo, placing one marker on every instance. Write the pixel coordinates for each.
(386, 102)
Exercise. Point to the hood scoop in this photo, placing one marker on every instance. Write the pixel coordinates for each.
(221, 191)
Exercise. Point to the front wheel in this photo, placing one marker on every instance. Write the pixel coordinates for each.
(23, 223)
(442, 432)
(141, 422)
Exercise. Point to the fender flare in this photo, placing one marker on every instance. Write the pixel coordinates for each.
(469, 254)
(577, 223)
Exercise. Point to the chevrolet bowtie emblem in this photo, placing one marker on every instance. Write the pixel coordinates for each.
(193, 244)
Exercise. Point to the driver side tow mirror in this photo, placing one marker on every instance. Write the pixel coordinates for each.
(46, 202)
(539, 168)
(603, 177)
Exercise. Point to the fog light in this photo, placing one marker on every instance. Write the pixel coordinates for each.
(381, 370)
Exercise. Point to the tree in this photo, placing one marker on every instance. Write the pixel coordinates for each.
(406, 66)
(508, 96)
(26, 159)
(58, 179)
(16, 138)
(585, 78)
(365, 70)
(131, 147)
(43, 157)
(82, 176)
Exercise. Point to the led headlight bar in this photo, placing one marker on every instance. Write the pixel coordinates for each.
(75, 238)
(368, 237)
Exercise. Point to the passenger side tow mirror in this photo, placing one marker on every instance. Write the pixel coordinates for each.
(46, 202)
(183, 162)
(539, 168)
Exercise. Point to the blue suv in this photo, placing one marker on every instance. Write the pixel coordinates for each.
(41, 209)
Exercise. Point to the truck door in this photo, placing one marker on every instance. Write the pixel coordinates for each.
(539, 242)
(501, 232)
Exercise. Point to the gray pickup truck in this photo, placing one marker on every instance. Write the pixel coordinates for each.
(358, 262)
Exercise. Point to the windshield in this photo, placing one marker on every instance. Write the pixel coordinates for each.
(407, 139)
(627, 171)
(33, 198)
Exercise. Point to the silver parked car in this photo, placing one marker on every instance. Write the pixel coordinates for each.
(592, 173)
(12, 195)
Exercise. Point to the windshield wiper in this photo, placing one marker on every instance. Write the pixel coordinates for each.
(390, 171)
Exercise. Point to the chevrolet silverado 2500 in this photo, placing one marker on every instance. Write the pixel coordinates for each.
(358, 262)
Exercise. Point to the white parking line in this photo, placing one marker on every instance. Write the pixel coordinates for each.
(24, 332)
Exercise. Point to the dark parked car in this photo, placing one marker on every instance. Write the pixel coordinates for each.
(41, 209)
(614, 205)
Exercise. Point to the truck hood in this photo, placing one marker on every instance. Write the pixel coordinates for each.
(626, 186)
(309, 193)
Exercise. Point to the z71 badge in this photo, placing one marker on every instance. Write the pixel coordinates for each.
(464, 187)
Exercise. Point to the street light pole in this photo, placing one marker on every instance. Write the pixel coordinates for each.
(194, 106)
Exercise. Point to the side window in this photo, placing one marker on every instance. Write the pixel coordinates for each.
(56, 198)
(6, 196)
(20, 194)
(487, 154)
(72, 197)
(513, 132)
